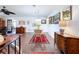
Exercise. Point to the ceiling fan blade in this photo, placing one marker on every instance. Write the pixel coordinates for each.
(4, 7)
(5, 11)
(12, 13)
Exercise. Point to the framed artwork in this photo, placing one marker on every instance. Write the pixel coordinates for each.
(51, 20)
(43, 21)
(56, 18)
(67, 14)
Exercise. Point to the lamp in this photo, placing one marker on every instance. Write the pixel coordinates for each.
(21, 22)
(1, 38)
(62, 24)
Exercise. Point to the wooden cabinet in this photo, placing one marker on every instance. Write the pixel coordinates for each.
(67, 43)
(20, 30)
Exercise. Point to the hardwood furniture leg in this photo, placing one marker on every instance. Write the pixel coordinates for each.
(19, 45)
(54, 39)
(15, 46)
(9, 49)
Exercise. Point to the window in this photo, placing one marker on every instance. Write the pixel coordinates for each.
(14, 23)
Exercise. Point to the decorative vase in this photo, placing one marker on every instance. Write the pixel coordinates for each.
(61, 31)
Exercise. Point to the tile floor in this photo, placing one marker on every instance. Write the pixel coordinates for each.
(30, 49)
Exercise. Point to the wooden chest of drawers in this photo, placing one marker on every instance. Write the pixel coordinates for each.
(20, 30)
(66, 43)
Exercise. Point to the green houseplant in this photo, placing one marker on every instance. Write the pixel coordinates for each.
(37, 26)
(37, 29)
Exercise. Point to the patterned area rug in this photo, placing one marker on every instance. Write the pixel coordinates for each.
(42, 39)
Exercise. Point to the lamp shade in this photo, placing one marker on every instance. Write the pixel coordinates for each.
(21, 22)
(62, 23)
(1, 39)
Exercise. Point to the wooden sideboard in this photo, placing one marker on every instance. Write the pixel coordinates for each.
(20, 30)
(66, 43)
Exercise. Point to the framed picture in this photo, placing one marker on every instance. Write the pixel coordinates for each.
(43, 21)
(67, 14)
(51, 20)
(56, 18)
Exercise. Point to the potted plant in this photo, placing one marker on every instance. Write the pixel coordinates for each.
(37, 30)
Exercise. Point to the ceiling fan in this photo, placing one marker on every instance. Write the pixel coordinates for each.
(5, 11)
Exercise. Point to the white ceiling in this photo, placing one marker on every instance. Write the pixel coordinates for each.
(33, 11)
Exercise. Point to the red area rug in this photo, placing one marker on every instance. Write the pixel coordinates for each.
(42, 39)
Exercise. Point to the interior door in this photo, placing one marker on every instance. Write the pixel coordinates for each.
(9, 26)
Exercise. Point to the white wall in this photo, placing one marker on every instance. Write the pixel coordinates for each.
(55, 27)
(73, 25)
(51, 28)
(32, 20)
